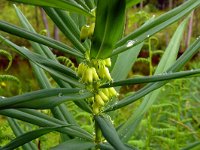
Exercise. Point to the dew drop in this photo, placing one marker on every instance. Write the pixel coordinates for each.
(2, 97)
(148, 35)
(60, 95)
(81, 91)
(130, 43)
(116, 103)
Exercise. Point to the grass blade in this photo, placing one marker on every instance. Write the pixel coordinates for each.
(62, 4)
(192, 145)
(12, 29)
(153, 27)
(75, 144)
(109, 27)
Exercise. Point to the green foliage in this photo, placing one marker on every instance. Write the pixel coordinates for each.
(101, 58)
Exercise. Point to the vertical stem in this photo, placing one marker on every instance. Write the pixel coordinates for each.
(141, 5)
(150, 59)
(45, 21)
(189, 30)
(36, 17)
(97, 133)
(56, 33)
(170, 4)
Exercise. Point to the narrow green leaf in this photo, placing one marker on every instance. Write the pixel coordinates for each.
(90, 4)
(82, 3)
(125, 65)
(130, 3)
(57, 17)
(109, 26)
(192, 145)
(42, 120)
(43, 99)
(12, 29)
(38, 48)
(70, 23)
(154, 78)
(27, 137)
(105, 146)
(17, 130)
(61, 111)
(153, 27)
(109, 132)
(68, 5)
(75, 144)
(49, 65)
(165, 63)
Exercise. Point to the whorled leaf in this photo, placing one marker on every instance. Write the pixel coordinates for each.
(109, 132)
(49, 65)
(75, 144)
(43, 99)
(43, 120)
(109, 27)
(154, 78)
(180, 62)
(29, 136)
(20, 32)
(154, 26)
(68, 5)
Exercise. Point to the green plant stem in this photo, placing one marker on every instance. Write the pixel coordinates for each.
(97, 134)
(150, 58)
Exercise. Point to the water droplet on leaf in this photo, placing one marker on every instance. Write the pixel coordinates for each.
(130, 43)
(60, 94)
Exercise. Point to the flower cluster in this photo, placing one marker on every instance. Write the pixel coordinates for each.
(93, 74)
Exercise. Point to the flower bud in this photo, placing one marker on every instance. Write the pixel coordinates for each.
(89, 75)
(95, 108)
(105, 91)
(108, 62)
(95, 75)
(81, 69)
(112, 92)
(99, 100)
(107, 74)
(101, 71)
(103, 96)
